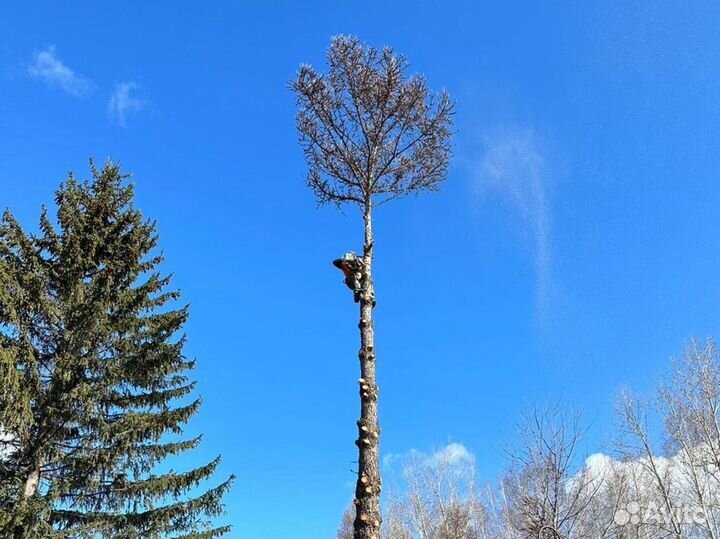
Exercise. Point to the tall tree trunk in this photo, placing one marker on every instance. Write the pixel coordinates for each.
(22, 516)
(32, 482)
(367, 491)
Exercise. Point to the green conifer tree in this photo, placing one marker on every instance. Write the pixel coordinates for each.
(96, 389)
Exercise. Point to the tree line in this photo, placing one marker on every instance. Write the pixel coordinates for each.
(660, 477)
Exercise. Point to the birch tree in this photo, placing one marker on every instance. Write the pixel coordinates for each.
(549, 491)
(439, 499)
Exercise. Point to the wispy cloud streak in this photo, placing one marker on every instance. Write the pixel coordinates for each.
(48, 68)
(453, 454)
(123, 101)
(513, 167)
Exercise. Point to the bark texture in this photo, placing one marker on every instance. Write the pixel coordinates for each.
(369, 485)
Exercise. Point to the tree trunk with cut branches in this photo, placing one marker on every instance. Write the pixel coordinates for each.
(370, 135)
(368, 487)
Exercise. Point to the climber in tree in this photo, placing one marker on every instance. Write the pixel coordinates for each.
(352, 268)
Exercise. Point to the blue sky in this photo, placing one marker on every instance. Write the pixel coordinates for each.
(572, 250)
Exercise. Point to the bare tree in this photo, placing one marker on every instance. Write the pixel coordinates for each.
(549, 491)
(439, 499)
(669, 449)
(370, 134)
(345, 531)
(657, 485)
(689, 406)
(680, 478)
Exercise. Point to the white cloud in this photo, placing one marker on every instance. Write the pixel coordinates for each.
(453, 454)
(679, 476)
(48, 68)
(514, 168)
(123, 101)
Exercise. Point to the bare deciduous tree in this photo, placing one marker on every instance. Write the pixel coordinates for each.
(690, 406)
(548, 490)
(439, 499)
(345, 531)
(370, 134)
(676, 483)
(651, 473)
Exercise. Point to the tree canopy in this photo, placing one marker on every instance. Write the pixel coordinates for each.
(370, 132)
(97, 388)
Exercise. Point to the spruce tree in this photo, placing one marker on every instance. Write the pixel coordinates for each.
(96, 389)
